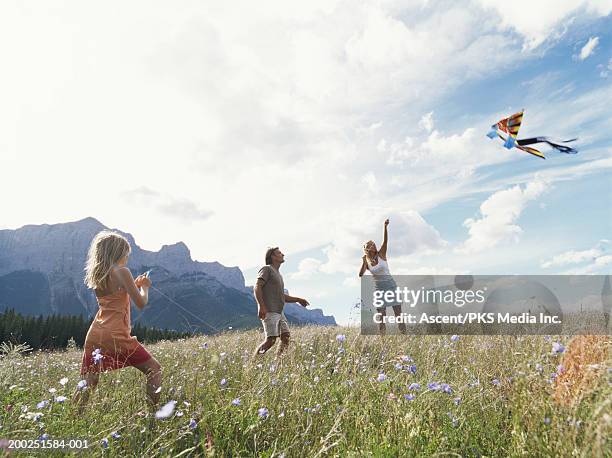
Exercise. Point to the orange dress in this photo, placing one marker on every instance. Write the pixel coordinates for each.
(108, 344)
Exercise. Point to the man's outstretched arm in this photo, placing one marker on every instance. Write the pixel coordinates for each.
(299, 300)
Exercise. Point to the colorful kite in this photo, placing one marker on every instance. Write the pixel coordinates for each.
(507, 129)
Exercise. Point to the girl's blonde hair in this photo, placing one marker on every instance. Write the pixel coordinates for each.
(106, 249)
(365, 248)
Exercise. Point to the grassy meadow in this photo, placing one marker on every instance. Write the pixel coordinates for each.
(335, 393)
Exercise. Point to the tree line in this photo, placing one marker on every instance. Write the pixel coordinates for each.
(53, 332)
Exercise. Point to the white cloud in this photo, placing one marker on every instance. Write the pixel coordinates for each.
(427, 122)
(306, 269)
(588, 48)
(499, 214)
(605, 69)
(183, 209)
(571, 257)
(596, 255)
(409, 234)
(538, 20)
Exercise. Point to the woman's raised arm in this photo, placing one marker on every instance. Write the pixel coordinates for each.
(383, 248)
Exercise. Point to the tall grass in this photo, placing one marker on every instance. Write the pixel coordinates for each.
(328, 396)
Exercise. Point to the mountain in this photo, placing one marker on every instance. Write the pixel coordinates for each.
(41, 272)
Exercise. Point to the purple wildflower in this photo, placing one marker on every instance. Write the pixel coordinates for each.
(263, 412)
(557, 347)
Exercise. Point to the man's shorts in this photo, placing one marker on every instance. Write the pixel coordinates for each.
(275, 324)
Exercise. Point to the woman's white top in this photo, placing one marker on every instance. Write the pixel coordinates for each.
(381, 268)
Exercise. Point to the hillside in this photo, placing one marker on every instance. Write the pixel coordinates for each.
(41, 273)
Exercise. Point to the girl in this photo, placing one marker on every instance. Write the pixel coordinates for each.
(376, 262)
(108, 344)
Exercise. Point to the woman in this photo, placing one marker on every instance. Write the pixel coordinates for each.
(376, 262)
(108, 344)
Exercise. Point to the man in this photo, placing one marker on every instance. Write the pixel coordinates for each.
(271, 298)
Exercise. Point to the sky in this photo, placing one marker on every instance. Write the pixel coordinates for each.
(234, 126)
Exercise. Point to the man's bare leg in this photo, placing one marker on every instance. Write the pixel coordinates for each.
(284, 343)
(265, 345)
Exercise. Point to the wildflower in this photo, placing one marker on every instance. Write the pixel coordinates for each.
(166, 410)
(262, 412)
(406, 359)
(63, 381)
(316, 379)
(457, 401)
(52, 390)
(82, 385)
(433, 386)
(539, 368)
(454, 338)
(115, 435)
(414, 387)
(392, 397)
(398, 366)
(97, 356)
(381, 377)
(42, 404)
(560, 369)
(409, 397)
(546, 421)
(446, 388)
(454, 421)
(104, 442)
(43, 437)
(205, 346)
(340, 338)
(193, 424)
(236, 402)
(557, 347)
(412, 369)
(495, 382)
(223, 382)
(60, 399)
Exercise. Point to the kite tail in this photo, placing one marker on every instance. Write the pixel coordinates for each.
(561, 148)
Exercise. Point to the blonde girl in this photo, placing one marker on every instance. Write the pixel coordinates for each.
(108, 344)
(375, 261)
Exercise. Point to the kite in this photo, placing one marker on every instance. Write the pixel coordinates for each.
(507, 129)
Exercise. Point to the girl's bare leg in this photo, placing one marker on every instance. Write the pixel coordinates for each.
(81, 396)
(152, 370)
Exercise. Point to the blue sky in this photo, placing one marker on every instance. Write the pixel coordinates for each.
(232, 127)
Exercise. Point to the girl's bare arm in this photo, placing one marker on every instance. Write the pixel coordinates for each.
(140, 296)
